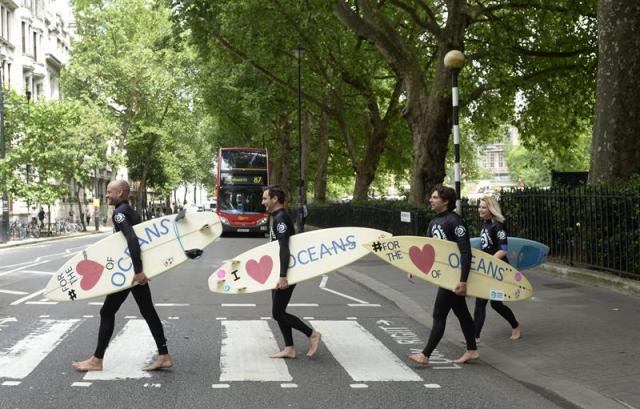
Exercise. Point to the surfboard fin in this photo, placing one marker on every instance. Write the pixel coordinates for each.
(193, 253)
(181, 214)
(205, 227)
(241, 289)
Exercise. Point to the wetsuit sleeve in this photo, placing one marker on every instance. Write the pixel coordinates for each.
(132, 240)
(462, 239)
(501, 237)
(282, 233)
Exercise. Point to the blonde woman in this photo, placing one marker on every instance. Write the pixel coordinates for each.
(494, 241)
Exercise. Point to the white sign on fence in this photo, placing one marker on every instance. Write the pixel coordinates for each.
(405, 217)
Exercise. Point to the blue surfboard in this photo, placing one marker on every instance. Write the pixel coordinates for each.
(522, 253)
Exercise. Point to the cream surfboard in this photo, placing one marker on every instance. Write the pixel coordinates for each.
(312, 254)
(438, 261)
(105, 267)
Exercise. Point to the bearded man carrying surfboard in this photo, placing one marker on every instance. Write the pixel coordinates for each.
(281, 229)
(447, 225)
(124, 218)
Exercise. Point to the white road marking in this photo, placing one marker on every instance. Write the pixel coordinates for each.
(363, 305)
(46, 273)
(41, 302)
(361, 354)
(18, 361)
(220, 386)
(170, 305)
(13, 292)
(303, 305)
(27, 297)
(359, 385)
(127, 354)
(432, 386)
(11, 383)
(81, 384)
(15, 270)
(245, 351)
(323, 285)
(238, 305)
(288, 385)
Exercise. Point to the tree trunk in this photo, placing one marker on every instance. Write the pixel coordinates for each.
(429, 118)
(80, 212)
(284, 174)
(615, 153)
(320, 180)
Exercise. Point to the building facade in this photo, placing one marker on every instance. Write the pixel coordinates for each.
(35, 43)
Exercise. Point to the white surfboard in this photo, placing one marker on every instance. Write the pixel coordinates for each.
(312, 254)
(438, 262)
(105, 267)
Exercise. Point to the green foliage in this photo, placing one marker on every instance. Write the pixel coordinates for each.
(128, 60)
(51, 143)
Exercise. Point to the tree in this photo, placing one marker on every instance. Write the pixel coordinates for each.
(511, 46)
(128, 60)
(344, 82)
(616, 142)
(55, 147)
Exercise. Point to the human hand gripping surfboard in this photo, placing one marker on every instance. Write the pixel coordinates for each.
(312, 254)
(105, 267)
(438, 262)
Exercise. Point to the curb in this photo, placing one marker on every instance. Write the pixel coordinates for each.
(560, 391)
(592, 278)
(47, 239)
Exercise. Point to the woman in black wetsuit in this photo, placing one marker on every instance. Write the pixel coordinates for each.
(494, 241)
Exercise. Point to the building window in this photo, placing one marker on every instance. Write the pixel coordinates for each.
(35, 45)
(24, 37)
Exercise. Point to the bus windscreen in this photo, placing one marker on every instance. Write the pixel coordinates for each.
(243, 160)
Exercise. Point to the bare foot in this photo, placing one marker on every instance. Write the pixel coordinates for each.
(162, 362)
(469, 355)
(91, 364)
(419, 358)
(314, 343)
(287, 352)
(477, 341)
(515, 333)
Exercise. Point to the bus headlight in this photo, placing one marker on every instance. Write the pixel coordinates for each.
(224, 220)
(262, 221)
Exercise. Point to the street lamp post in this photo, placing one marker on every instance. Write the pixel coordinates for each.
(298, 50)
(4, 222)
(454, 60)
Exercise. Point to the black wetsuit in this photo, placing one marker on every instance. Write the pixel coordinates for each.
(493, 238)
(124, 218)
(281, 229)
(450, 226)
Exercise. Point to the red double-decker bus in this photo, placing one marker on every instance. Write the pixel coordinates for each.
(241, 174)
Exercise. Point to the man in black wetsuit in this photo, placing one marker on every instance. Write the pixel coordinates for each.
(447, 225)
(124, 218)
(281, 229)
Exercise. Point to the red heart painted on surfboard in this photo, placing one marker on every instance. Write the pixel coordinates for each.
(423, 259)
(90, 272)
(260, 271)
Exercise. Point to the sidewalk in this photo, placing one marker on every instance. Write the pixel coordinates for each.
(579, 342)
(90, 230)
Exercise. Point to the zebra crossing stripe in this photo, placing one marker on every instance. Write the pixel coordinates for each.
(245, 353)
(127, 354)
(24, 356)
(361, 354)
